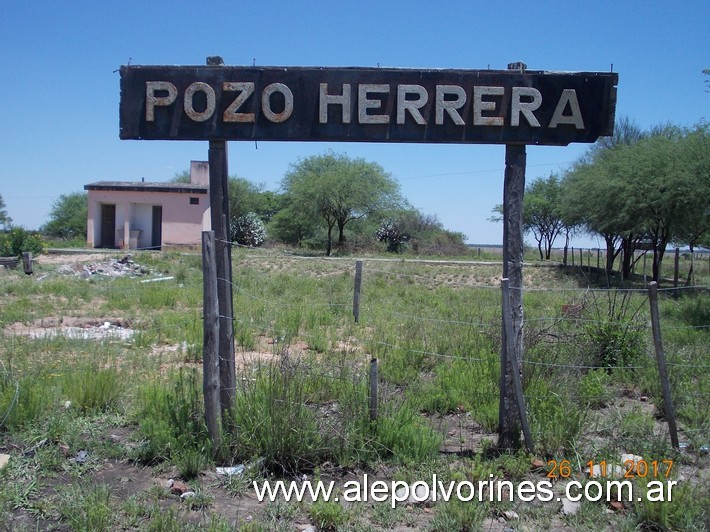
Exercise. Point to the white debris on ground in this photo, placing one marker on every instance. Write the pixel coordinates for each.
(124, 267)
(74, 329)
(106, 331)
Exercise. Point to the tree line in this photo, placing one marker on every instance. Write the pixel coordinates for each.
(334, 202)
(326, 202)
(637, 190)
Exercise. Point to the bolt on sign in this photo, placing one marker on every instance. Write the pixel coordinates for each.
(365, 104)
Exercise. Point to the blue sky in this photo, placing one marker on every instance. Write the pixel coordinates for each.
(59, 91)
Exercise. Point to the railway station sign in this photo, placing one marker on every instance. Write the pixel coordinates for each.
(365, 104)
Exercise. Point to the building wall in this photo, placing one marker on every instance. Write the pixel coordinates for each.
(182, 223)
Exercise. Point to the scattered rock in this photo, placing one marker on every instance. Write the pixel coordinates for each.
(626, 457)
(4, 459)
(110, 268)
(570, 507)
(612, 470)
(616, 505)
(187, 495)
(510, 515)
(538, 464)
(81, 457)
(178, 487)
(229, 471)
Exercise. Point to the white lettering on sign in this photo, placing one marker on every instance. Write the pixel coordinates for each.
(151, 100)
(480, 105)
(245, 89)
(364, 103)
(449, 106)
(569, 96)
(270, 115)
(526, 108)
(492, 106)
(342, 99)
(411, 105)
(211, 101)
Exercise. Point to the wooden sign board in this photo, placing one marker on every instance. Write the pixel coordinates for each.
(365, 104)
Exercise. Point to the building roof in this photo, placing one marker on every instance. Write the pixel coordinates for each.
(140, 186)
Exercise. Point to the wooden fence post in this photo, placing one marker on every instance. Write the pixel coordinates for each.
(27, 262)
(210, 345)
(373, 389)
(644, 267)
(676, 271)
(668, 408)
(356, 290)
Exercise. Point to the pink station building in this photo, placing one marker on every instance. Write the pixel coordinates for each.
(140, 215)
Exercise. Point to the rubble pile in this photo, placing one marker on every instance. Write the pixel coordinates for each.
(124, 267)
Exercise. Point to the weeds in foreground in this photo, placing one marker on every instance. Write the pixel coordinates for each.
(437, 339)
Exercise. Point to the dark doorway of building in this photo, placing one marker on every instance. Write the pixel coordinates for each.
(108, 226)
(156, 237)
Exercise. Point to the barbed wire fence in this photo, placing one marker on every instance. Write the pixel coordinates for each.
(376, 342)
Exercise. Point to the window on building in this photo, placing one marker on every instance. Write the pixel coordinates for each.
(194, 201)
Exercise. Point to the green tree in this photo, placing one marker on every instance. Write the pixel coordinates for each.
(246, 196)
(594, 194)
(338, 190)
(693, 227)
(68, 216)
(654, 189)
(543, 215)
(181, 177)
(5, 220)
(292, 224)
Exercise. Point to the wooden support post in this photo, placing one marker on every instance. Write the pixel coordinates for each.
(572, 255)
(373, 389)
(356, 290)
(27, 262)
(668, 408)
(219, 210)
(516, 369)
(210, 345)
(512, 348)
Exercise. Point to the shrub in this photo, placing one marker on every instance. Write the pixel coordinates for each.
(403, 434)
(87, 509)
(615, 344)
(328, 515)
(273, 420)
(93, 389)
(593, 389)
(23, 400)
(171, 417)
(248, 230)
(18, 240)
(393, 233)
